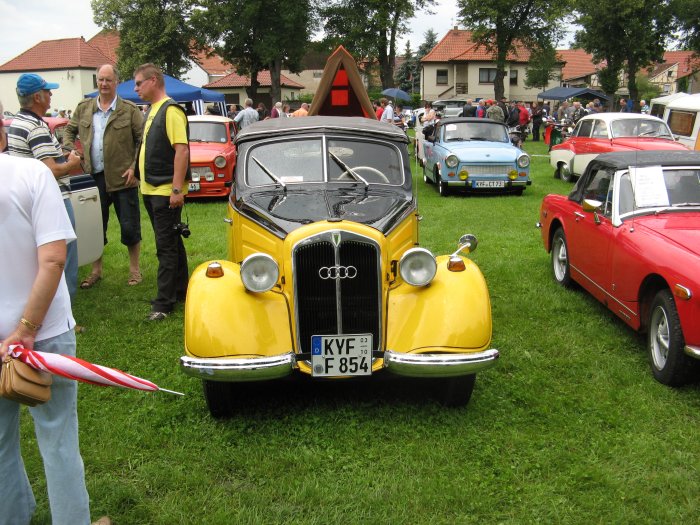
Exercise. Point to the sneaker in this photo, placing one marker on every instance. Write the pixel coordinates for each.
(157, 316)
(104, 520)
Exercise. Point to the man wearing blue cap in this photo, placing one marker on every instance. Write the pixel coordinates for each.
(29, 136)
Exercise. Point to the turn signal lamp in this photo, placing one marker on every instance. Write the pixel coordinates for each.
(513, 174)
(215, 270)
(456, 264)
(523, 174)
(682, 292)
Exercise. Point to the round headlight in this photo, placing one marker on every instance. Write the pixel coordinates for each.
(523, 161)
(418, 267)
(219, 162)
(259, 272)
(452, 161)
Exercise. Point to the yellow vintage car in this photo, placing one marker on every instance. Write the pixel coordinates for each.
(324, 274)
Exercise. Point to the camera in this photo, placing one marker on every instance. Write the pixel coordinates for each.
(182, 228)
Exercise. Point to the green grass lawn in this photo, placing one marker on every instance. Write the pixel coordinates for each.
(569, 427)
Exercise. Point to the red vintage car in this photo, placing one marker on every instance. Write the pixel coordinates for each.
(629, 233)
(212, 155)
(606, 133)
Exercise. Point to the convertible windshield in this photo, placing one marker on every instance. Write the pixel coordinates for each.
(319, 160)
(653, 187)
(208, 132)
(639, 128)
(461, 131)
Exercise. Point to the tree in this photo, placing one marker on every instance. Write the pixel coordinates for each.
(687, 20)
(628, 35)
(406, 73)
(499, 25)
(155, 31)
(255, 35)
(544, 66)
(369, 29)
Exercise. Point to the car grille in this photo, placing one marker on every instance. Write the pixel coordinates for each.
(487, 169)
(337, 305)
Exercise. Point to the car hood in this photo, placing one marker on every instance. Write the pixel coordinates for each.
(284, 213)
(648, 143)
(681, 228)
(480, 151)
(201, 152)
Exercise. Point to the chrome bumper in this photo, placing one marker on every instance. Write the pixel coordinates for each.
(239, 369)
(439, 365)
(264, 368)
(693, 351)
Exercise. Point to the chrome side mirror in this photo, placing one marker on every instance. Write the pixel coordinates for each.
(467, 242)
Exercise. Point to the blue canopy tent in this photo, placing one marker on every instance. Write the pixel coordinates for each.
(562, 93)
(179, 91)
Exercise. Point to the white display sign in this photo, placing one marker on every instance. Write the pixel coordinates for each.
(649, 187)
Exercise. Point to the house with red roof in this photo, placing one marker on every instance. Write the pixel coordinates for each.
(233, 86)
(70, 62)
(459, 67)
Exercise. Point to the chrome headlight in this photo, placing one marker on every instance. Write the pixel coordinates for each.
(219, 162)
(452, 161)
(523, 161)
(259, 272)
(418, 266)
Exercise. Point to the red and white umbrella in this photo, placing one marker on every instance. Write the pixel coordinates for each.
(79, 370)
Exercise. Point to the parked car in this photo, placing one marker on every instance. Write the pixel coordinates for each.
(85, 199)
(608, 132)
(324, 275)
(451, 107)
(474, 155)
(629, 233)
(212, 155)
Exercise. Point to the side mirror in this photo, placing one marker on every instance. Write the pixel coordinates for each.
(467, 242)
(591, 205)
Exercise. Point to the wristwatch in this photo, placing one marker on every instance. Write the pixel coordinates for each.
(176, 191)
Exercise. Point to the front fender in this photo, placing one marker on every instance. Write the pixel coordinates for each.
(223, 319)
(452, 314)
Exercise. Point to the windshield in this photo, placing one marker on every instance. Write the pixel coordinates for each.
(319, 160)
(461, 131)
(208, 132)
(654, 187)
(639, 128)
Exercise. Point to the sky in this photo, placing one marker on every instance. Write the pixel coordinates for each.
(25, 23)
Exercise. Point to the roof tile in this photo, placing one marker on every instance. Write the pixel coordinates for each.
(65, 53)
(458, 45)
(236, 80)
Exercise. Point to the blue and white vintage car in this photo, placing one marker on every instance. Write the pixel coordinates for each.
(474, 155)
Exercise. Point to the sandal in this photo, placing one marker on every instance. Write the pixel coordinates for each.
(90, 281)
(134, 278)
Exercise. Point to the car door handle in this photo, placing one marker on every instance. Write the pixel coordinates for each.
(228, 221)
(83, 198)
(579, 216)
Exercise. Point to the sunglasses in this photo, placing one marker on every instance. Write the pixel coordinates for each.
(139, 82)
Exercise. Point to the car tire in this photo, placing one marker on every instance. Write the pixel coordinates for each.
(566, 175)
(442, 185)
(561, 269)
(219, 398)
(455, 392)
(669, 363)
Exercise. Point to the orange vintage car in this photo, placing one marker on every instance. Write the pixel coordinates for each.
(212, 155)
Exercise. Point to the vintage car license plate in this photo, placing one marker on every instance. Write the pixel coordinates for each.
(489, 184)
(194, 186)
(341, 355)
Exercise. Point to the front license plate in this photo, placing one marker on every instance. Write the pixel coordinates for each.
(194, 186)
(341, 355)
(489, 184)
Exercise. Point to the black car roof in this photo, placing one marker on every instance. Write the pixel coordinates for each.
(304, 125)
(625, 159)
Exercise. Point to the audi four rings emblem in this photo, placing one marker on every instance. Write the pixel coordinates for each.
(337, 272)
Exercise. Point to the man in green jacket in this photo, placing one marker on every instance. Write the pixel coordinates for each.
(109, 129)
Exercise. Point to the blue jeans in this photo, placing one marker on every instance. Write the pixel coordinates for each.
(71, 268)
(56, 428)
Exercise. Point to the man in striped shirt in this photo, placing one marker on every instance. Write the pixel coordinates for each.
(29, 136)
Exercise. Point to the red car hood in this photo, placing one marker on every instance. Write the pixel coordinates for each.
(682, 228)
(647, 143)
(206, 152)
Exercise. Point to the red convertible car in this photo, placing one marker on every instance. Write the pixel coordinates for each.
(629, 233)
(606, 133)
(212, 155)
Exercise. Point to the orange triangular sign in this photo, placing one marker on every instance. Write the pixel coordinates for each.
(341, 92)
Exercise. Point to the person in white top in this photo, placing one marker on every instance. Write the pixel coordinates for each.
(35, 311)
(388, 114)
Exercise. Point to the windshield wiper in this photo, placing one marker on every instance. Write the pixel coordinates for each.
(270, 174)
(349, 170)
(479, 138)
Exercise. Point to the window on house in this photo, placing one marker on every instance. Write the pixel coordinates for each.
(94, 81)
(513, 77)
(441, 77)
(487, 75)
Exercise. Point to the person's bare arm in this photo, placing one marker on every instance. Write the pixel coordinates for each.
(182, 161)
(52, 259)
(61, 170)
